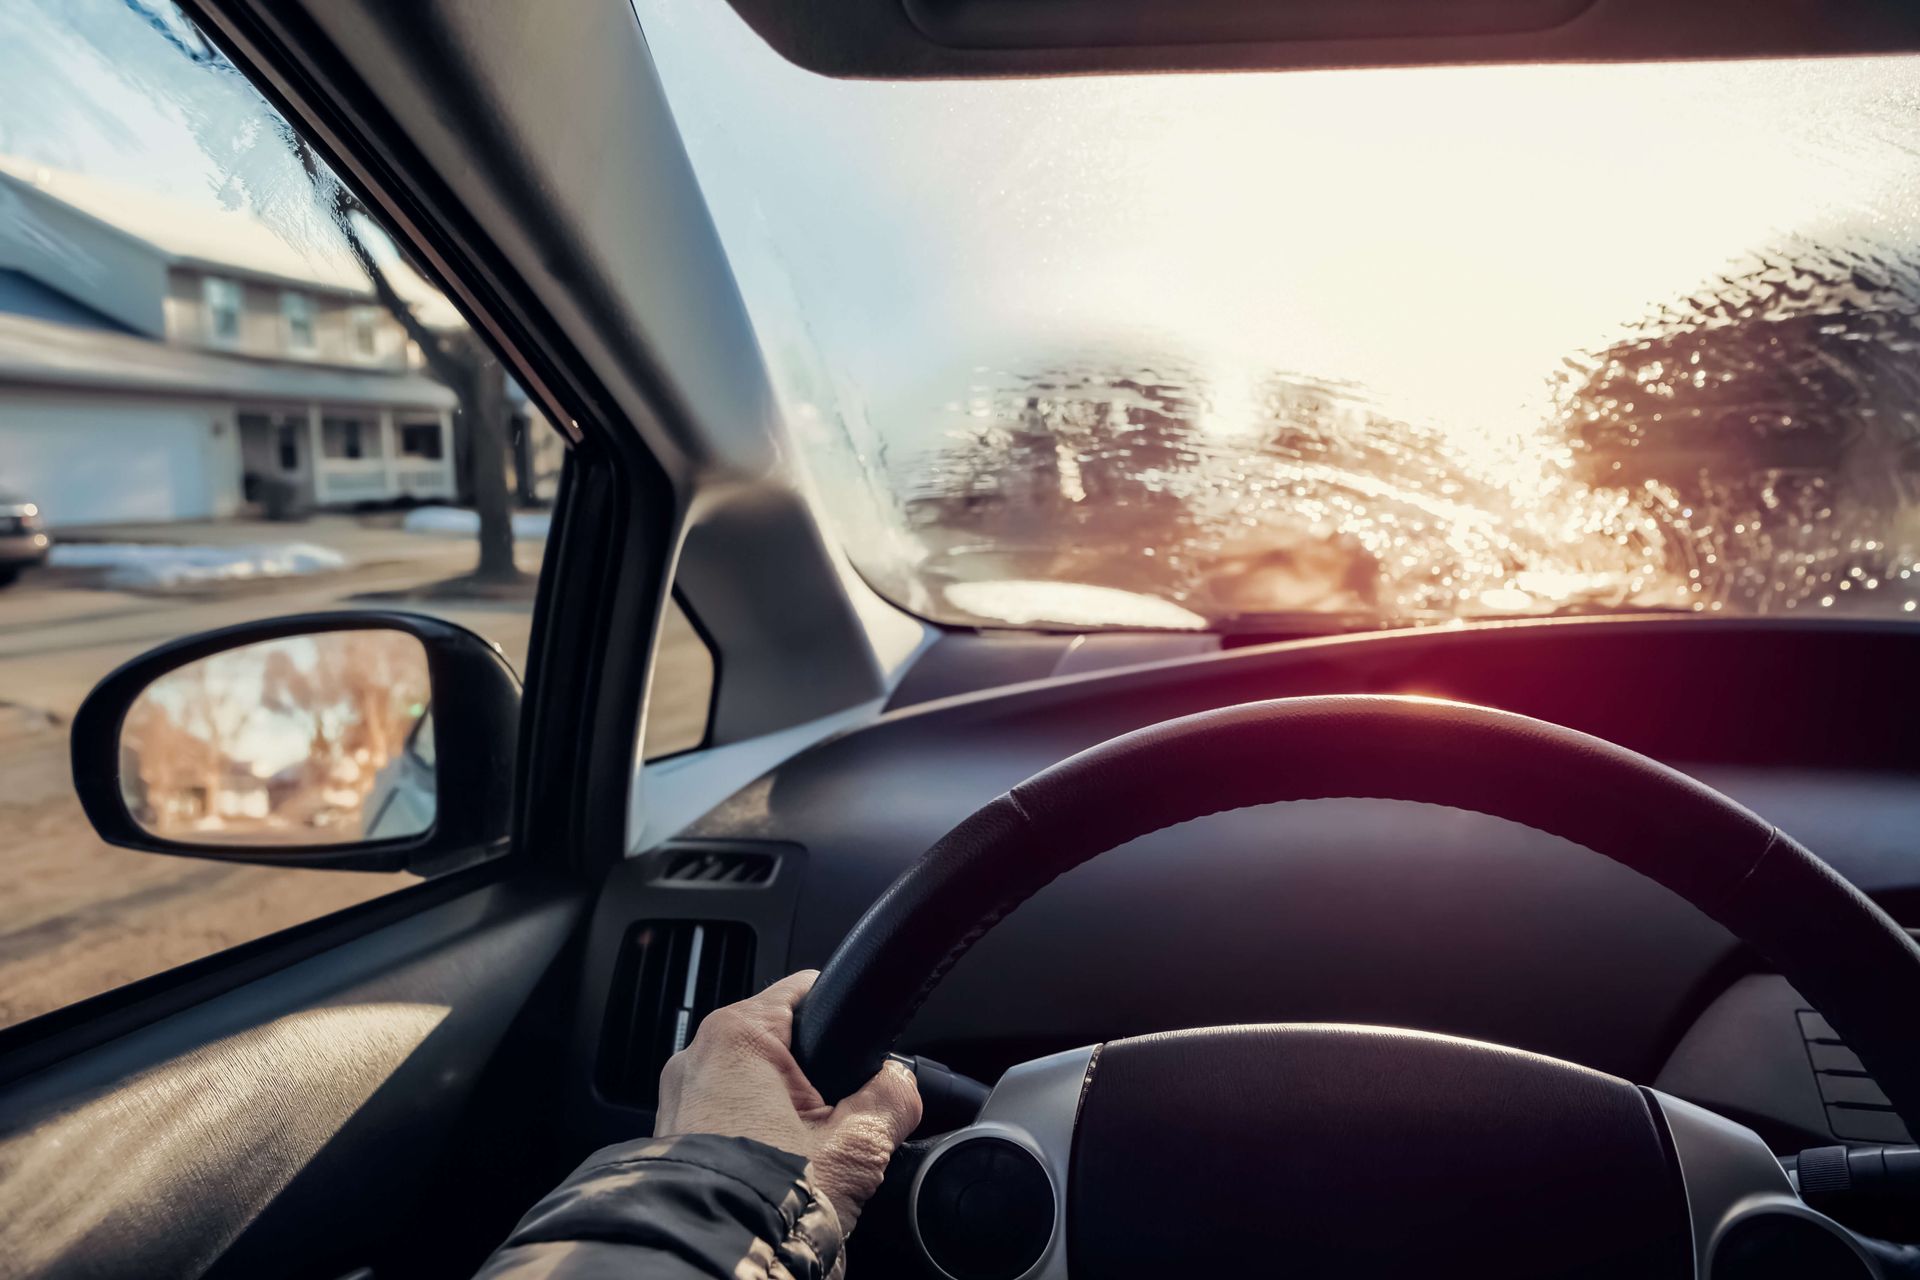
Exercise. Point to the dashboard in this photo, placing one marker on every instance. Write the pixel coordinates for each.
(1352, 911)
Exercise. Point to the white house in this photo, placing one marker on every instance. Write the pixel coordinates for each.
(160, 361)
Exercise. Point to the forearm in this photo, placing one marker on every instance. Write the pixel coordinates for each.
(668, 1208)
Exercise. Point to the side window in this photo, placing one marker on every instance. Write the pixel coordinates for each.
(209, 415)
(681, 699)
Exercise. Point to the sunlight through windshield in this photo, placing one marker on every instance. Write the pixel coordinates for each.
(1282, 351)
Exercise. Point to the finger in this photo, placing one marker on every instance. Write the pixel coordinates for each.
(789, 989)
(890, 1101)
(772, 1010)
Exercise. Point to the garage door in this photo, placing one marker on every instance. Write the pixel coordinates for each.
(98, 463)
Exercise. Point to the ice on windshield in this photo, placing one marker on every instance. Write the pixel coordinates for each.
(1346, 348)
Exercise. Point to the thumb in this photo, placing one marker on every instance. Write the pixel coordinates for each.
(890, 1102)
(862, 1133)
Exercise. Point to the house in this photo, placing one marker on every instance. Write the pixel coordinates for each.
(163, 361)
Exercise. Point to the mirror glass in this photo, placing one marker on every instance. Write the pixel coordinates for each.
(308, 740)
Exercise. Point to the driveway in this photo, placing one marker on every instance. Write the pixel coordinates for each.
(78, 917)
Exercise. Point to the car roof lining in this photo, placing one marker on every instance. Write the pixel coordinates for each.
(908, 39)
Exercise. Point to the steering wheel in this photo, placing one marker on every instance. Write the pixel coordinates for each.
(1348, 1150)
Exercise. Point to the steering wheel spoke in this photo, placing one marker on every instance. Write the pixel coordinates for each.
(990, 1201)
(1741, 1205)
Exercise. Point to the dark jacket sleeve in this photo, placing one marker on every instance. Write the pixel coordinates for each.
(676, 1209)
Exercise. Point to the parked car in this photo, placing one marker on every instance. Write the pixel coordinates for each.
(24, 540)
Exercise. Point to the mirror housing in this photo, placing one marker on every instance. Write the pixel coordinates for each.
(474, 701)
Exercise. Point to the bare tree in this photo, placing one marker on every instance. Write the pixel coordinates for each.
(457, 358)
(359, 694)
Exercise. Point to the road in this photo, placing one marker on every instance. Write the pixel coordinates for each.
(78, 917)
(58, 636)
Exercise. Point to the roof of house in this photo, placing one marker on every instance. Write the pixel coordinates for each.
(46, 353)
(23, 295)
(304, 250)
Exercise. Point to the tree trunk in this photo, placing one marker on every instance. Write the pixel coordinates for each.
(463, 363)
(487, 423)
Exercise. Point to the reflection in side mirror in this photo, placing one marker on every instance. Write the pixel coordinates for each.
(299, 741)
(307, 741)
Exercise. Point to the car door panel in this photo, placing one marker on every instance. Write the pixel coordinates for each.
(285, 1127)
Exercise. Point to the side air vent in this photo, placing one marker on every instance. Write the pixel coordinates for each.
(672, 973)
(695, 864)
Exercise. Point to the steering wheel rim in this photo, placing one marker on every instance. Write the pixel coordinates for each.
(1835, 945)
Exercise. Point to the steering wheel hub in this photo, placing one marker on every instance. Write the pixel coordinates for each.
(1350, 1150)
(1393, 1152)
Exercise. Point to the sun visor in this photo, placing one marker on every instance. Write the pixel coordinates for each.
(966, 38)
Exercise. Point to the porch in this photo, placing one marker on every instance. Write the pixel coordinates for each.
(334, 456)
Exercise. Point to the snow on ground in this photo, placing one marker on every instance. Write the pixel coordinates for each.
(457, 522)
(142, 566)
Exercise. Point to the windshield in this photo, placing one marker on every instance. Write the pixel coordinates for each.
(1276, 352)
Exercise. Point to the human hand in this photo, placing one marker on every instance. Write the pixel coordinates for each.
(739, 1079)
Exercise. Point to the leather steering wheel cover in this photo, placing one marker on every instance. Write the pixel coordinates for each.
(1839, 949)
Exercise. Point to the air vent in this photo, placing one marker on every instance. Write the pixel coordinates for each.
(716, 864)
(671, 974)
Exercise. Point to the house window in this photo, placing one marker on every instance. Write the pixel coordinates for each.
(222, 298)
(420, 440)
(288, 444)
(348, 438)
(366, 332)
(297, 310)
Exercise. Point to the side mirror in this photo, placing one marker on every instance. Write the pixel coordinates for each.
(359, 741)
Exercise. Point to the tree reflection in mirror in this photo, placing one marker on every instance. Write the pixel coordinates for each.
(302, 741)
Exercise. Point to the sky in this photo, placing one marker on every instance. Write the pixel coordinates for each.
(1444, 238)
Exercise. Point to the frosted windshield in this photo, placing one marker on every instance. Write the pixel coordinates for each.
(1334, 349)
